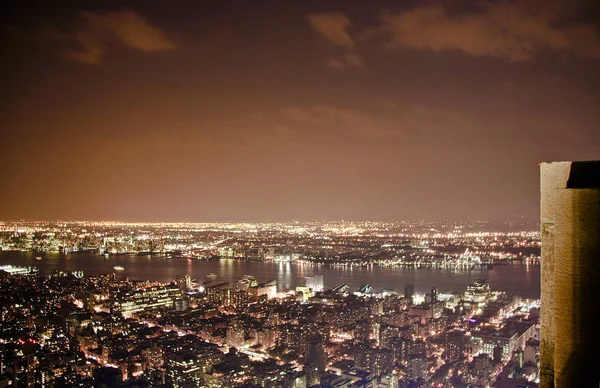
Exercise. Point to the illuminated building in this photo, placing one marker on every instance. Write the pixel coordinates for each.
(273, 375)
(267, 337)
(365, 289)
(386, 334)
(377, 361)
(222, 294)
(184, 370)
(416, 368)
(294, 379)
(316, 329)
(480, 369)
(151, 298)
(313, 376)
(570, 229)
(153, 356)
(511, 337)
(303, 293)
(352, 378)
(185, 282)
(455, 342)
(16, 270)
(531, 353)
(478, 292)
(268, 333)
(376, 306)
(434, 294)
(417, 347)
(268, 288)
(236, 335)
(426, 311)
(400, 349)
(215, 292)
(340, 367)
(362, 330)
(388, 381)
(340, 288)
(246, 282)
(289, 337)
(315, 283)
(237, 299)
(189, 368)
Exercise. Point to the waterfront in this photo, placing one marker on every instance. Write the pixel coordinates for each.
(518, 278)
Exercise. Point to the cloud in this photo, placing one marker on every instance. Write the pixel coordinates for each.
(348, 60)
(387, 103)
(511, 30)
(385, 123)
(329, 124)
(96, 30)
(333, 27)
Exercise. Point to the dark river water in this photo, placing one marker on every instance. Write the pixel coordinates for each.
(519, 279)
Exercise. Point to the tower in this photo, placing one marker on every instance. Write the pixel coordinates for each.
(570, 229)
(434, 294)
(409, 292)
(315, 354)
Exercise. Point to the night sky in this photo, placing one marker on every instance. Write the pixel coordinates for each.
(292, 110)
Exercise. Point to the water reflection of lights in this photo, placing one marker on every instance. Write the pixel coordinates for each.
(284, 274)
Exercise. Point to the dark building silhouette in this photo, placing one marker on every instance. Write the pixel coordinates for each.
(315, 354)
(409, 291)
(570, 227)
(434, 294)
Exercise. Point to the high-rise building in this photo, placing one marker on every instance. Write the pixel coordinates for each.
(400, 349)
(377, 361)
(362, 330)
(409, 291)
(289, 337)
(570, 228)
(313, 376)
(315, 354)
(416, 368)
(235, 335)
(386, 334)
(185, 282)
(455, 341)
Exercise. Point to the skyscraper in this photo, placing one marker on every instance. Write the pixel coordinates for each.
(409, 291)
(570, 228)
(315, 354)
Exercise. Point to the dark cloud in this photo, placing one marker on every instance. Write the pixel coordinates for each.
(89, 42)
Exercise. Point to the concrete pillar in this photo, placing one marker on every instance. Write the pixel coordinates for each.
(570, 227)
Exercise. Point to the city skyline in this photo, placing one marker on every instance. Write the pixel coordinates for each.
(228, 112)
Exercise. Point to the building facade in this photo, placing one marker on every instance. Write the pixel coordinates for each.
(570, 228)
